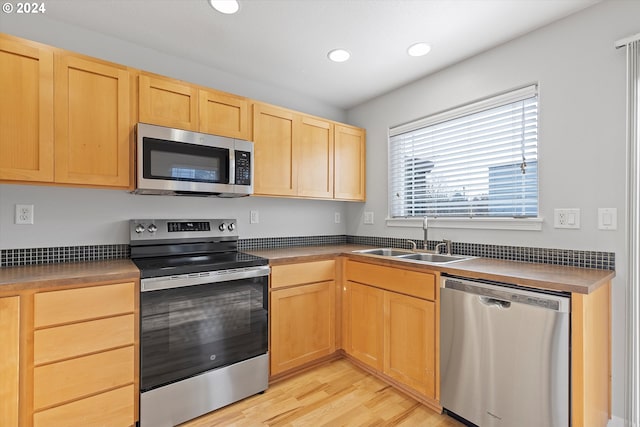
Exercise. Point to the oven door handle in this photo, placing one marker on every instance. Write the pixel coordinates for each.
(202, 278)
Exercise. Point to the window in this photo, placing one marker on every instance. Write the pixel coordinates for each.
(479, 160)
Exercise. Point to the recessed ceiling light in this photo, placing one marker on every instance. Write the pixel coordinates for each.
(227, 7)
(418, 49)
(339, 55)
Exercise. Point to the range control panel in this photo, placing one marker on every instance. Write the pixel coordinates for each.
(176, 229)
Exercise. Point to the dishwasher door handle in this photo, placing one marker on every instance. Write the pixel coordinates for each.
(497, 302)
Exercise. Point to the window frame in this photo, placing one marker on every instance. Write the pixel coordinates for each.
(476, 222)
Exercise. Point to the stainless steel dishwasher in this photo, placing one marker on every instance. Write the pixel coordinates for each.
(504, 354)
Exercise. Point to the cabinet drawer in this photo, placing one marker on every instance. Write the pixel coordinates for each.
(305, 272)
(418, 284)
(77, 378)
(63, 342)
(73, 305)
(114, 408)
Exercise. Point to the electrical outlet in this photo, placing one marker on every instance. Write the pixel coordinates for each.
(566, 218)
(336, 218)
(24, 214)
(254, 217)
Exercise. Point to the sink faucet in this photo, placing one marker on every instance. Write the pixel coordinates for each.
(446, 244)
(425, 227)
(413, 245)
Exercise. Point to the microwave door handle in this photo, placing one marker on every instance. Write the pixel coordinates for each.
(232, 165)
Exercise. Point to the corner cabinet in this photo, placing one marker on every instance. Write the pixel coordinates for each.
(298, 155)
(350, 159)
(302, 328)
(390, 324)
(26, 111)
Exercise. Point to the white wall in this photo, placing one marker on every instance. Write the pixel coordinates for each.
(66, 216)
(581, 137)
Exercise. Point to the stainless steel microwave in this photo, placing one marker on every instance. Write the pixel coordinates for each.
(180, 162)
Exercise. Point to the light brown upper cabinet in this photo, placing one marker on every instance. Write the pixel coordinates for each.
(224, 114)
(276, 166)
(349, 165)
(167, 102)
(177, 104)
(26, 110)
(92, 122)
(309, 157)
(87, 141)
(315, 171)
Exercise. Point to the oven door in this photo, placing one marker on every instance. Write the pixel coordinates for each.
(190, 329)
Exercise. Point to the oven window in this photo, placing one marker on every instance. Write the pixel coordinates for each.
(184, 162)
(187, 331)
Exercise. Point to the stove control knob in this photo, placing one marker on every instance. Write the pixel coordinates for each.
(232, 226)
(152, 228)
(222, 226)
(139, 228)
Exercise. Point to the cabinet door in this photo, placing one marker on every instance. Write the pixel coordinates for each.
(364, 323)
(223, 114)
(410, 342)
(315, 175)
(349, 163)
(276, 167)
(9, 359)
(302, 325)
(93, 123)
(26, 111)
(167, 102)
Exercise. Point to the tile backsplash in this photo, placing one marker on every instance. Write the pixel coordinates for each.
(568, 257)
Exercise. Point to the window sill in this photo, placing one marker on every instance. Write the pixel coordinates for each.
(520, 224)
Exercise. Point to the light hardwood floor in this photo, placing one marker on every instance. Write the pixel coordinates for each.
(335, 394)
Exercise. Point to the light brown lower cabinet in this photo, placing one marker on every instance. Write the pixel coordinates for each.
(390, 324)
(69, 356)
(302, 314)
(9, 360)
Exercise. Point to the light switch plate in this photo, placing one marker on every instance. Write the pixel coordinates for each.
(607, 218)
(254, 217)
(368, 217)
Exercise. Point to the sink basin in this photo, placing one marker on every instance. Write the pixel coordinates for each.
(384, 252)
(435, 258)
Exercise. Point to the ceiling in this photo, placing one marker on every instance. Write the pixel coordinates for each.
(284, 43)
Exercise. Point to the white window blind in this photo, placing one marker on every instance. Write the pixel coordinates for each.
(479, 160)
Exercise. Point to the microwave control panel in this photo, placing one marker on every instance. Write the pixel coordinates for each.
(243, 168)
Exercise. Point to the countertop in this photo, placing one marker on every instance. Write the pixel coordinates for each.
(541, 276)
(53, 275)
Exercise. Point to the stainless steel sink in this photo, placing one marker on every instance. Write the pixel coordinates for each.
(434, 258)
(406, 255)
(384, 252)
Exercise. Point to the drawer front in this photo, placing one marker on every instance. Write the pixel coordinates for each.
(114, 408)
(64, 342)
(74, 305)
(414, 283)
(305, 272)
(77, 378)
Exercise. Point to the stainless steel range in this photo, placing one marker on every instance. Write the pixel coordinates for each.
(203, 315)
